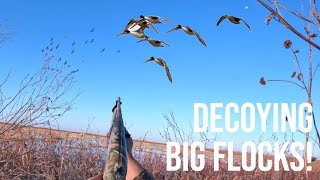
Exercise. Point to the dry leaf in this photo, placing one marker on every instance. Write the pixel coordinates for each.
(268, 19)
(287, 44)
(293, 74)
(262, 81)
(299, 76)
(316, 15)
(314, 35)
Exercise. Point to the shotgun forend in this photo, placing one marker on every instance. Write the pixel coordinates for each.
(116, 158)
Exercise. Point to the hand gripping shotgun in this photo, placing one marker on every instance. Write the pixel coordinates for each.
(116, 159)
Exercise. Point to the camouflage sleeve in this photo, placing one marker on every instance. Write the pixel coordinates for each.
(144, 175)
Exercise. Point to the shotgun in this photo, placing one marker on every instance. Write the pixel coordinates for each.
(116, 158)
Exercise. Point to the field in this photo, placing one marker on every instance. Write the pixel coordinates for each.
(40, 153)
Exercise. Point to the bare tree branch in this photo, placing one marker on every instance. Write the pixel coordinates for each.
(287, 81)
(292, 12)
(41, 98)
(286, 24)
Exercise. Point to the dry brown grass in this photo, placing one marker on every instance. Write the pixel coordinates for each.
(34, 156)
(29, 153)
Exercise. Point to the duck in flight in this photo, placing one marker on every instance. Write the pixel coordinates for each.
(161, 62)
(153, 19)
(130, 24)
(233, 20)
(137, 26)
(155, 43)
(189, 31)
(139, 33)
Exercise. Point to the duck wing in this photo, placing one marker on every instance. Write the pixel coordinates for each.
(246, 24)
(221, 19)
(174, 29)
(149, 60)
(131, 23)
(142, 40)
(160, 61)
(166, 43)
(121, 34)
(167, 71)
(167, 20)
(153, 27)
(199, 37)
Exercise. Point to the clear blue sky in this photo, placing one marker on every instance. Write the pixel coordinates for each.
(228, 70)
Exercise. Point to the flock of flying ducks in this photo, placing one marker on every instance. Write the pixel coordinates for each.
(136, 28)
(54, 46)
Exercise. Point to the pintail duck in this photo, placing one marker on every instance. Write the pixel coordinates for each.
(232, 19)
(145, 24)
(131, 23)
(154, 19)
(139, 33)
(161, 62)
(136, 25)
(189, 31)
(155, 43)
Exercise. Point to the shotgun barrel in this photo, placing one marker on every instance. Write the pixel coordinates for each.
(116, 159)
